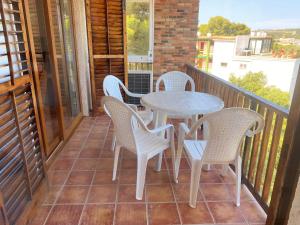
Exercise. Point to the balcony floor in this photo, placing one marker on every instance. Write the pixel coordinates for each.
(81, 190)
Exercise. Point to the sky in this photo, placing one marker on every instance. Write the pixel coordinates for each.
(257, 14)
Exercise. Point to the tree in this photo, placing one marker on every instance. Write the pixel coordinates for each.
(257, 83)
(221, 26)
(138, 28)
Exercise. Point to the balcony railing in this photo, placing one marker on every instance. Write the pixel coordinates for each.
(261, 153)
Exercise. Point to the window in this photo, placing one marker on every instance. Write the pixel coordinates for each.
(223, 64)
(139, 19)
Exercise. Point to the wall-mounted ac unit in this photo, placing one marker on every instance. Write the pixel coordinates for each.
(139, 82)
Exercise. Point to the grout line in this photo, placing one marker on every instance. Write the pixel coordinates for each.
(174, 195)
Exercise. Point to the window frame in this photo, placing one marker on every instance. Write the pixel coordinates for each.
(145, 58)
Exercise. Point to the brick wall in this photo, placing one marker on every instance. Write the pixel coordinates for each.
(175, 33)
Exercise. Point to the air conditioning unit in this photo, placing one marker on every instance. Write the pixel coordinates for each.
(139, 82)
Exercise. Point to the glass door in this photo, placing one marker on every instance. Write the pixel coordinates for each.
(66, 59)
(46, 76)
(58, 91)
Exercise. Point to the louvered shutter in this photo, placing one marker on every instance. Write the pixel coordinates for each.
(21, 161)
(107, 48)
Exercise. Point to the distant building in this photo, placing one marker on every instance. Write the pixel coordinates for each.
(242, 54)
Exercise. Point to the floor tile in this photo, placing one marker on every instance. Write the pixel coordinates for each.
(216, 192)
(199, 215)
(90, 153)
(252, 212)
(73, 194)
(51, 195)
(183, 164)
(105, 164)
(210, 177)
(154, 177)
(184, 176)
(182, 192)
(127, 194)
(152, 164)
(159, 193)
(39, 216)
(103, 177)
(85, 164)
(64, 215)
(163, 213)
(80, 178)
(102, 194)
(57, 177)
(131, 214)
(127, 176)
(245, 193)
(62, 164)
(98, 215)
(225, 212)
(71, 153)
(129, 164)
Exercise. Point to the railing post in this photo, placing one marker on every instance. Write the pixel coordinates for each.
(289, 166)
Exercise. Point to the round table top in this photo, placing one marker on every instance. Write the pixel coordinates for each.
(182, 103)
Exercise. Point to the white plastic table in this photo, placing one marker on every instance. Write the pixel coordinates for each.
(180, 104)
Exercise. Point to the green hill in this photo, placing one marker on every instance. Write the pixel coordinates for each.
(284, 33)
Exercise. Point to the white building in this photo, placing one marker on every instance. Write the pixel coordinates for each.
(243, 54)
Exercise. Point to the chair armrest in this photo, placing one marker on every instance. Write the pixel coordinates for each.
(131, 94)
(162, 128)
(184, 128)
(134, 107)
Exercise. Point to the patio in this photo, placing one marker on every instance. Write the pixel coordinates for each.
(81, 190)
(55, 141)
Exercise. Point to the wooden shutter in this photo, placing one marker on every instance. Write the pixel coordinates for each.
(107, 48)
(21, 159)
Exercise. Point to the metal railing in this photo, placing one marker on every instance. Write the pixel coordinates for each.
(261, 153)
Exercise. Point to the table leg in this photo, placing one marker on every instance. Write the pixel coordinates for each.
(194, 120)
(160, 120)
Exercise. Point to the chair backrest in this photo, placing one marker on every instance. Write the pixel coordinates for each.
(226, 130)
(175, 81)
(124, 121)
(111, 87)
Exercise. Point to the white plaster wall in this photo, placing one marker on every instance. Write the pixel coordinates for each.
(223, 52)
(294, 217)
(281, 73)
(82, 54)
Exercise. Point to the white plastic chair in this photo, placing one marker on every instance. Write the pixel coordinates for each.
(175, 81)
(139, 139)
(225, 130)
(111, 87)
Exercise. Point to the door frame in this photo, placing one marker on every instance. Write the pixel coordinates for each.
(64, 133)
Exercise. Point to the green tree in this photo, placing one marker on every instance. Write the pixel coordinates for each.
(257, 83)
(138, 28)
(221, 26)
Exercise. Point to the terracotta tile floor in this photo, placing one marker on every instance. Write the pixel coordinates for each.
(81, 191)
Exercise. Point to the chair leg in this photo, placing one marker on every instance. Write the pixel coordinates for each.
(224, 170)
(195, 179)
(141, 175)
(113, 144)
(238, 170)
(175, 174)
(159, 158)
(186, 121)
(116, 160)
